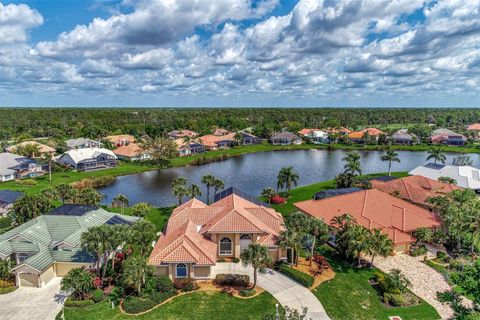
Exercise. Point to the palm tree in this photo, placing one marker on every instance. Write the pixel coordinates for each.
(140, 237)
(209, 181)
(194, 191)
(256, 255)
(141, 209)
(120, 200)
(134, 271)
(358, 242)
(238, 137)
(65, 191)
(352, 163)
(447, 180)
(317, 229)
(93, 241)
(436, 154)
(268, 193)
(179, 190)
(6, 266)
(286, 177)
(390, 156)
(475, 232)
(379, 244)
(218, 185)
(78, 281)
(89, 196)
(293, 240)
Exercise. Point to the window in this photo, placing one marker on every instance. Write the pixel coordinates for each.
(245, 237)
(22, 257)
(225, 246)
(181, 270)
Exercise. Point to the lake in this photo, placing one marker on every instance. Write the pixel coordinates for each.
(253, 172)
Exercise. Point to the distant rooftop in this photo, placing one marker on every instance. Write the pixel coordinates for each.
(246, 196)
(334, 192)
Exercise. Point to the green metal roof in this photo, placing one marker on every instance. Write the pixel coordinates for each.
(44, 233)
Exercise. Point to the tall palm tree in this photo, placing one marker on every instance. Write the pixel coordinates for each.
(64, 191)
(317, 229)
(390, 156)
(268, 193)
(293, 240)
(218, 185)
(437, 154)
(121, 200)
(93, 241)
(358, 242)
(379, 244)
(256, 255)
(286, 177)
(140, 237)
(135, 270)
(89, 196)
(179, 189)
(194, 191)
(209, 181)
(352, 163)
(78, 281)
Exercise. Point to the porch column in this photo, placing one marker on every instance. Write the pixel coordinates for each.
(191, 274)
(237, 245)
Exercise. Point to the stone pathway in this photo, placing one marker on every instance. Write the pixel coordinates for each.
(426, 282)
(285, 290)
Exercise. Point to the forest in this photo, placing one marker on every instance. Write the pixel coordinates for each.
(24, 123)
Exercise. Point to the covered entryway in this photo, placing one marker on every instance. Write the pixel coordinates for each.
(245, 240)
(28, 280)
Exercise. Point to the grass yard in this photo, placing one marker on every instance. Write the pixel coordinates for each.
(157, 216)
(350, 296)
(307, 192)
(201, 305)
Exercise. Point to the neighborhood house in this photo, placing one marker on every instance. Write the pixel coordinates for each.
(465, 176)
(374, 209)
(13, 166)
(132, 152)
(285, 138)
(81, 143)
(402, 136)
(361, 136)
(49, 246)
(121, 140)
(188, 148)
(7, 199)
(447, 137)
(44, 150)
(197, 235)
(177, 134)
(88, 159)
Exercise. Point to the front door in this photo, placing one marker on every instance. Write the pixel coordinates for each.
(245, 240)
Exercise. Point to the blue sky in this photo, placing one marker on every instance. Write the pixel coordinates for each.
(313, 53)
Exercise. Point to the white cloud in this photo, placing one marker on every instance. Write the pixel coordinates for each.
(16, 21)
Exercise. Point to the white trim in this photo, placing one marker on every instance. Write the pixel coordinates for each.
(219, 247)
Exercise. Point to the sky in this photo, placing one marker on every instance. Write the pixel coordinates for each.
(240, 53)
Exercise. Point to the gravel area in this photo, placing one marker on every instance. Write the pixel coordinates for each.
(426, 282)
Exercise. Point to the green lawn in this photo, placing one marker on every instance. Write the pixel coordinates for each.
(307, 192)
(197, 305)
(350, 296)
(157, 216)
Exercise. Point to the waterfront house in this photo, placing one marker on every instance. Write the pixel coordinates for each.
(49, 246)
(248, 138)
(360, 136)
(132, 152)
(214, 142)
(338, 130)
(402, 136)
(285, 138)
(315, 135)
(177, 134)
(188, 148)
(220, 132)
(14, 166)
(305, 131)
(121, 140)
(474, 130)
(374, 209)
(88, 159)
(415, 189)
(80, 143)
(44, 150)
(447, 137)
(7, 199)
(197, 235)
(465, 176)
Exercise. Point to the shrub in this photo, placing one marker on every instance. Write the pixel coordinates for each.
(227, 279)
(185, 284)
(26, 182)
(97, 295)
(247, 292)
(236, 260)
(159, 297)
(394, 282)
(394, 299)
(78, 303)
(6, 283)
(5, 222)
(137, 305)
(276, 199)
(158, 284)
(7, 289)
(302, 278)
(418, 251)
(221, 260)
(442, 256)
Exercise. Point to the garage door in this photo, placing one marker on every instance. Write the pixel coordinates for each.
(28, 280)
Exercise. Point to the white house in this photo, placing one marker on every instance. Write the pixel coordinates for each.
(88, 159)
(14, 166)
(466, 176)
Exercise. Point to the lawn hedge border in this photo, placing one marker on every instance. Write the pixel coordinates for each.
(304, 279)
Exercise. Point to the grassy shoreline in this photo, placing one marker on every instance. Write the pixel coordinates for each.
(126, 168)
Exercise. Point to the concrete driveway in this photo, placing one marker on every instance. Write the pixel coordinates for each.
(287, 292)
(33, 303)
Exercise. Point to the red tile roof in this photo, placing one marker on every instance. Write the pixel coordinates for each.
(360, 134)
(210, 140)
(338, 130)
(374, 209)
(130, 150)
(306, 131)
(415, 189)
(474, 126)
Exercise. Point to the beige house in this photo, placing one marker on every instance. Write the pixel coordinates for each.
(198, 235)
(44, 150)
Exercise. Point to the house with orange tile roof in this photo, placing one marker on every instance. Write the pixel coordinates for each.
(215, 142)
(375, 209)
(359, 136)
(415, 189)
(474, 127)
(197, 234)
(186, 148)
(340, 130)
(177, 134)
(221, 132)
(306, 131)
(447, 137)
(120, 140)
(43, 150)
(132, 152)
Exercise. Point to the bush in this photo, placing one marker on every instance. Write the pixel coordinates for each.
(6, 283)
(158, 284)
(394, 299)
(247, 292)
(227, 279)
(276, 199)
(71, 303)
(443, 256)
(159, 297)
(135, 305)
(5, 222)
(304, 279)
(185, 284)
(6, 290)
(26, 182)
(221, 260)
(236, 260)
(418, 251)
(97, 295)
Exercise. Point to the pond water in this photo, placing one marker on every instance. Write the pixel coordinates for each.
(253, 172)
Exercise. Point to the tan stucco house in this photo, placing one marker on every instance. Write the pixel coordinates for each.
(198, 235)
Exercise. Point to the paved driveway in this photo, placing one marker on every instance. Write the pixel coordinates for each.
(286, 291)
(33, 303)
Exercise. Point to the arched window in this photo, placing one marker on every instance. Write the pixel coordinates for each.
(181, 271)
(245, 236)
(225, 246)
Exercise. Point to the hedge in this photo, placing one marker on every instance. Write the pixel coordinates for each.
(228, 279)
(302, 278)
(78, 303)
(7, 290)
(134, 305)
